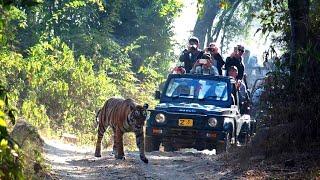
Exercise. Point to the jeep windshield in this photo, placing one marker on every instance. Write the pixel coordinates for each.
(198, 89)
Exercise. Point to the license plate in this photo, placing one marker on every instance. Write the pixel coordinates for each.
(186, 122)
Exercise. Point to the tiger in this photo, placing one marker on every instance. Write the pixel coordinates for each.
(122, 115)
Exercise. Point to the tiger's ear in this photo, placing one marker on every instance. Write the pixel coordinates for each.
(145, 106)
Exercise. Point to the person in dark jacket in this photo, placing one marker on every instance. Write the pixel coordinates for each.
(216, 57)
(242, 89)
(236, 60)
(190, 55)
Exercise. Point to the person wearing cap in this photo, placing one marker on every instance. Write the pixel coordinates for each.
(236, 60)
(190, 55)
(204, 65)
(215, 56)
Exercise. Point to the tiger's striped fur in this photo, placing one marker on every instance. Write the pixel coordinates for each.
(122, 116)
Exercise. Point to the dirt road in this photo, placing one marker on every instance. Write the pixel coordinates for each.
(71, 162)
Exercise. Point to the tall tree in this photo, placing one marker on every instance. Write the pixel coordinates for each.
(233, 19)
(204, 22)
(299, 19)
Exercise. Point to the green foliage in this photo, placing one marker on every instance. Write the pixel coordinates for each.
(152, 19)
(224, 4)
(37, 113)
(10, 155)
(275, 16)
(291, 96)
(152, 79)
(72, 55)
(58, 92)
(9, 13)
(274, 19)
(170, 8)
(12, 18)
(69, 89)
(61, 60)
(200, 7)
(97, 31)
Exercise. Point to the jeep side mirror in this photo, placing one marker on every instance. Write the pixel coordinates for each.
(157, 95)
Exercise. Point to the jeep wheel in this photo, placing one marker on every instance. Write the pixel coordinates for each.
(225, 146)
(151, 144)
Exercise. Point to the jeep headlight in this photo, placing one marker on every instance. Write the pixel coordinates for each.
(160, 118)
(212, 122)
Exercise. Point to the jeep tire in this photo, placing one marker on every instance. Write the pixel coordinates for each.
(151, 144)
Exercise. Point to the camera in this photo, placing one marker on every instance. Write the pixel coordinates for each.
(210, 49)
(203, 61)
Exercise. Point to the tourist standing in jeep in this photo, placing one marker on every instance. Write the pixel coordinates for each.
(204, 66)
(236, 60)
(241, 87)
(190, 55)
(215, 56)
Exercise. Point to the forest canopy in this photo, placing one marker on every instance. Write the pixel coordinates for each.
(60, 60)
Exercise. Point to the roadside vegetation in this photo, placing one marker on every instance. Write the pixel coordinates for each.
(61, 60)
(59, 66)
(287, 142)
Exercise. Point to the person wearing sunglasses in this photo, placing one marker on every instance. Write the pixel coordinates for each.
(236, 60)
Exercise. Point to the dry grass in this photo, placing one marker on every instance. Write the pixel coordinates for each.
(31, 143)
(245, 163)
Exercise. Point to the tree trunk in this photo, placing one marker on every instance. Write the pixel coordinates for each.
(204, 22)
(299, 19)
(222, 41)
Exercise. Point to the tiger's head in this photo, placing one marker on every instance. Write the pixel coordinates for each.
(138, 116)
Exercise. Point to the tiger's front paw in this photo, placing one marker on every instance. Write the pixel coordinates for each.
(144, 159)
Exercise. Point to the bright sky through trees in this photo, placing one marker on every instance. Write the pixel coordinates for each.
(184, 24)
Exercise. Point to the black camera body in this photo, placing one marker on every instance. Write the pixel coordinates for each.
(210, 49)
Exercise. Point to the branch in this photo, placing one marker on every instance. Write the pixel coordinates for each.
(227, 21)
(220, 23)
